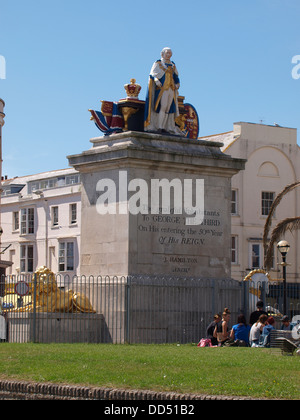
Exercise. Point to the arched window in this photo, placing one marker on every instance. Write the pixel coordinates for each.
(268, 169)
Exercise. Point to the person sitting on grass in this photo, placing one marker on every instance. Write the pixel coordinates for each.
(210, 329)
(221, 332)
(265, 337)
(256, 314)
(256, 330)
(286, 325)
(240, 331)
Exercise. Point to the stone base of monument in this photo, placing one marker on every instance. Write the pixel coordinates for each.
(137, 190)
(156, 206)
(57, 328)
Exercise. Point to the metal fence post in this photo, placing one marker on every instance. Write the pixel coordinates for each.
(263, 296)
(245, 297)
(243, 300)
(127, 303)
(34, 307)
(213, 301)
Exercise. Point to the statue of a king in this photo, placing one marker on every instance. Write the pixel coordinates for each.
(161, 107)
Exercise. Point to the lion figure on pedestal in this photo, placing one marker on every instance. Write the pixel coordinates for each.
(49, 298)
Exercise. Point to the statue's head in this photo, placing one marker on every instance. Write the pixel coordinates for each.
(166, 53)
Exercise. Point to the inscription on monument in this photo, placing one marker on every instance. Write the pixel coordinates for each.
(174, 243)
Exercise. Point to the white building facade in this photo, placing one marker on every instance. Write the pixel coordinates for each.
(273, 162)
(40, 218)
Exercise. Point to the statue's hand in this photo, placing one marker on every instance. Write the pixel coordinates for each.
(157, 82)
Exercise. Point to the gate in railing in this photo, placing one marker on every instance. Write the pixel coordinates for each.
(134, 309)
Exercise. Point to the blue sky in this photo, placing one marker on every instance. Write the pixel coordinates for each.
(62, 57)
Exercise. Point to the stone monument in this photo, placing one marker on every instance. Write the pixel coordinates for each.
(154, 203)
(155, 200)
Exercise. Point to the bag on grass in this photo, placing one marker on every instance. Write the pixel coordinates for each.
(205, 342)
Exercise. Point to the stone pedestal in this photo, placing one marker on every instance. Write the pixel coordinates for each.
(158, 240)
(26, 327)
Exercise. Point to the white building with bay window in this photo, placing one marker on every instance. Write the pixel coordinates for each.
(40, 218)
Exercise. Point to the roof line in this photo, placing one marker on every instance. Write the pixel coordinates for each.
(40, 173)
(214, 135)
(230, 144)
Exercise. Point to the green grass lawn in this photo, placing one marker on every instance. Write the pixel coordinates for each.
(251, 372)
